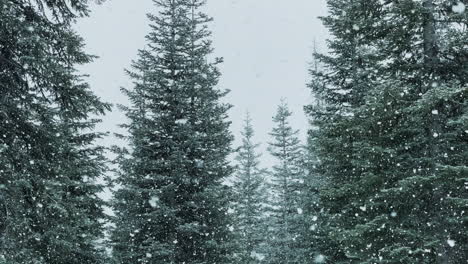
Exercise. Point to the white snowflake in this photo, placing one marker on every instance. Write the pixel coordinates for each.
(451, 242)
(153, 201)
(181, 121)
(257, 256)
(319, 259)
(299, 210)
(408, 55)
(459, 8)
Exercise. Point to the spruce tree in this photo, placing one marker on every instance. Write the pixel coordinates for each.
(394, 193)
(49, 164)
(172, 204)
(315, 233)
(249, 200)
(419, 137)
(340, 82)
(287, 183)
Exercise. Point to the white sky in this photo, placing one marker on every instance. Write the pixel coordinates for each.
(266, 46)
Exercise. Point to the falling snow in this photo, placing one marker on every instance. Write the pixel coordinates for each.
(384, 140)
(451, 242)
(459, 8)
(319, 259)
(153, 201)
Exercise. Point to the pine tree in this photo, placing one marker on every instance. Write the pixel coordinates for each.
(287, 184)
(172, 204)
(394, 193)
(249, 196)
(49, 164)
(418, 113)
(340, 83)
(315, 231)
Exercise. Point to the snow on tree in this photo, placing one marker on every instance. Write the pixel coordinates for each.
(49, 164)
(390, 140)
(249, 200)
(286, 220)
(172, 204)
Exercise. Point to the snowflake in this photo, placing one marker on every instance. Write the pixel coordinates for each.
(451, 242)
(459, 8)
(153, 201)
(319, 259)
(181, 121)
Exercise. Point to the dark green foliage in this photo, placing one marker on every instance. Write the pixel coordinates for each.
(171, 204)
(286, 217)
(391, 139)
(250, 195)
(315, 231)
(49, 211)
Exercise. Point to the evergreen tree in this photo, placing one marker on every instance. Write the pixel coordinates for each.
(249, 196)
(172, 204)
(394, 192)
(315, 231)
(340, 82)
(49, 164)
(287, 184)
(420, 138)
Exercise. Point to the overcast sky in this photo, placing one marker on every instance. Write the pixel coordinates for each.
(266, 45)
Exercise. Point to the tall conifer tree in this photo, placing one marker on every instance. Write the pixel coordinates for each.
(249, 200)
(394, 193)
(172, 204)
(49, 209)
(315, 229)
(287, 185)
(340, 82)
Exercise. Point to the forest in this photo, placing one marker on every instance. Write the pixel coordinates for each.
(382, 177)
